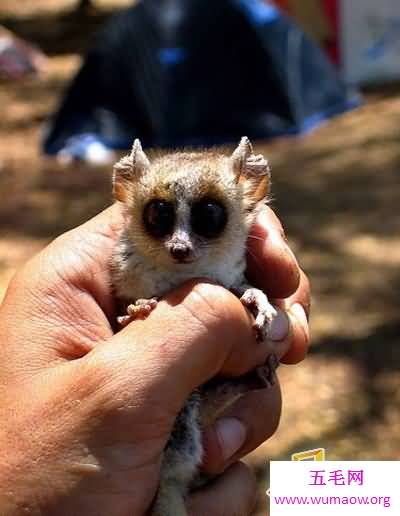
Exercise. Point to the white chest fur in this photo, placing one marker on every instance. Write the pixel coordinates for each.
(136, 278)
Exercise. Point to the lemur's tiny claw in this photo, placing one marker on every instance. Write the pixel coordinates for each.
(257, 302)
(139, 310)
(124, 320)
(267, 372)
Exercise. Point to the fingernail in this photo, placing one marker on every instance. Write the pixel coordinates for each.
(231, 434)
(279, 328)
(298, 311)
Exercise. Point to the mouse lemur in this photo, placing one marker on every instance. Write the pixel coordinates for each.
(188, 215)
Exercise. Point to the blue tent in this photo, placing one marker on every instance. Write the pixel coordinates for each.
(197, 72)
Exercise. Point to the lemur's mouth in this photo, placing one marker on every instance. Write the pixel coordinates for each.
(184, 261)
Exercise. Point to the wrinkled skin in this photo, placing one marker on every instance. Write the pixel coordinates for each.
(86, 412)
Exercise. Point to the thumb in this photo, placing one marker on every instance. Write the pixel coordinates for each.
(198, 330)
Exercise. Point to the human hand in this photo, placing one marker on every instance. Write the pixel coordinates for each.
(87, 413)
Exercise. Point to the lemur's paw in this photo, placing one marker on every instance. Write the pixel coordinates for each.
(257, 302)
(267, 372)
(139, 310)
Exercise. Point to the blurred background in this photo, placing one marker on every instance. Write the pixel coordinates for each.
(336, 188)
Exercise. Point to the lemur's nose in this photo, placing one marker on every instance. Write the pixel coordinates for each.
(180, 252)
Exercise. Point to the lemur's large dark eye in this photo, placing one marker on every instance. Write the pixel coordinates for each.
(208, 218)
(159, 218)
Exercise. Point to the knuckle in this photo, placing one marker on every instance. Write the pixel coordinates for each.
(212, 304)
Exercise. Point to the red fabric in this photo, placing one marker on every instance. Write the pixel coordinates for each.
(332, 12)
(283, 4)
(331, 9)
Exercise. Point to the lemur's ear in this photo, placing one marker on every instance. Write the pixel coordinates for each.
(252, 170)
(128, 169)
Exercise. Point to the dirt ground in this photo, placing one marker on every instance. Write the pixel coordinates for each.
(337, 193)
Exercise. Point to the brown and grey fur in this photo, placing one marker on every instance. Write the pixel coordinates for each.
(143, 269)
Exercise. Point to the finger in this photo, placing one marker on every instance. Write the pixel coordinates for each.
(234, 493)
(54, 320)
(77, 261)
(288, 335)
(252, 420)
(272, 266)
(295, 346)
(64, 295)
(82, 256)
(302, 295)
(199, 330)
